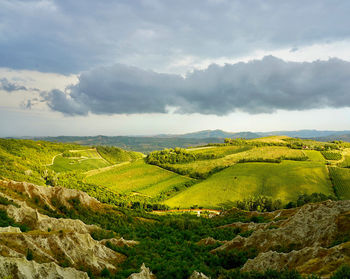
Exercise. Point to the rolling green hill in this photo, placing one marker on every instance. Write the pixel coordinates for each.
(215, 175)
(284, 181)
(232, 155)
(139, 178)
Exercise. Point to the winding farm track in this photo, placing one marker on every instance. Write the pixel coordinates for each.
(53, 159)
(217, 212)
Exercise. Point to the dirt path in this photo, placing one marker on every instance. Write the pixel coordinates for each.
(53, 159)
(217, 212)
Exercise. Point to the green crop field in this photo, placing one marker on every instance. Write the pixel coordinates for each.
(220, 150)
(266, 152)
(284, 181)
(86, 160)
(315, 156)
(138, 177)
(341, 181)
(329, 155)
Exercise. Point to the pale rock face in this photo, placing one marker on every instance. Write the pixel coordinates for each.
(311, 229)
(311, 225)
(47, 194)
(22, 269)
(78, 249)
(120, 242)
(145, 273)
(28, 215)
(307, 260)
(9, 230)
(198, 275)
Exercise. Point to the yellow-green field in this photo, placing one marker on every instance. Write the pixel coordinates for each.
(266, 152)
(138, 177)
(284, 181)
(85, 160)
(341, 181)
(315, 156)
(220, 150)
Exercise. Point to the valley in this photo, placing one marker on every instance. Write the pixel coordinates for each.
(181, 212)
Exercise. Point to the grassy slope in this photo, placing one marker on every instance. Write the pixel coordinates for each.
(139, 177)
(266, 152)
(115, 155)
(20, 156)
(88, 159)
(283, 181)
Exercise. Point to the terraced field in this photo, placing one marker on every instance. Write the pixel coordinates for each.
(138, 177)
(266, 152)
(284, 181)
(85, 160)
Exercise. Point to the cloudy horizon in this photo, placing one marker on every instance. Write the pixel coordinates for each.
(161, 67)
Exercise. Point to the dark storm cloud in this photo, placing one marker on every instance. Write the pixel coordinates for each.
(70, 36)
(259, 86)
(10, 86)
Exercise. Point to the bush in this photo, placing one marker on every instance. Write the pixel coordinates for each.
(29, 255)
(342, 272)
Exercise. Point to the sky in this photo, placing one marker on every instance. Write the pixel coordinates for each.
(149, 67)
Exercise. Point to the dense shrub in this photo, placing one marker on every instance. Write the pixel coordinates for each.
(259, 203)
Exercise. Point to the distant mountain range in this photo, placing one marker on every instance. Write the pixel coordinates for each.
(251, 135)
(213, 134)
(147, 144)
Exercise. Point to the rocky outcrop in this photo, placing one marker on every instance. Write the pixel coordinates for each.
(71, 248)
(308, 260)
(27, 215)
(9, 230)
(198, 275)
(145, 273)
(311, 225)
(49, 196)
(22, 269)
(120, 242)
(305, 236)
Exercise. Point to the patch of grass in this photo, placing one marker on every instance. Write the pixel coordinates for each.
(138, 177)
(284, 181)
(86, 160)
(315, 156)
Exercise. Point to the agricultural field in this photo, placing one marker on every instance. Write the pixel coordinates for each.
(345, 163)
(219, 151)
(330, 155)
(284, 181)
(270, 139)
(341, 181)
(83, 160)
(204, 167)
(315, 156)
(138, 177)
